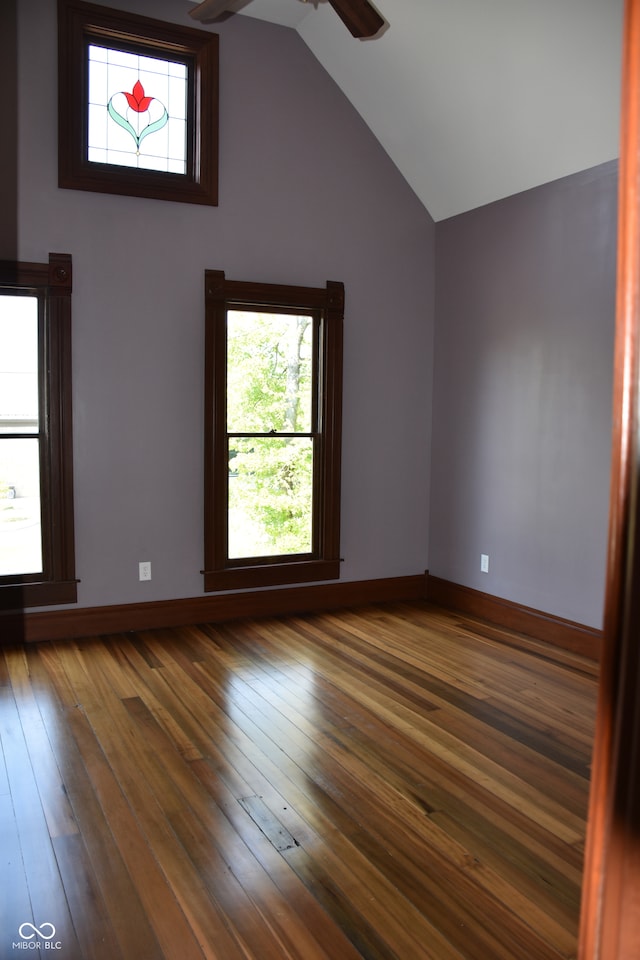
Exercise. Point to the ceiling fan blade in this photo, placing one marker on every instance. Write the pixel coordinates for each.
(360, 18)
(209, 10)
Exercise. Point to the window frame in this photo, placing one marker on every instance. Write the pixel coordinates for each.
(323, 563)
(51, 284)
(79, 25)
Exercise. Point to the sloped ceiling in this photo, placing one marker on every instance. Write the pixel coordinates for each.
(475, 100)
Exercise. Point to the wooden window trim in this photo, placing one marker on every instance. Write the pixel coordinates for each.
(51, 283)
(220, 573)
(80, 22)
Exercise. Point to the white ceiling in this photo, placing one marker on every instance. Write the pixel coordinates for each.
(475, 100)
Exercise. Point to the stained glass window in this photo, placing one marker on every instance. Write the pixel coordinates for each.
(138, 105)
(137, 111)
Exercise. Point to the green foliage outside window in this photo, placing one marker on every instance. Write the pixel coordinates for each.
(269, 393)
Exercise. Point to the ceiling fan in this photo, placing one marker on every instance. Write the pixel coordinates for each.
(359, 16)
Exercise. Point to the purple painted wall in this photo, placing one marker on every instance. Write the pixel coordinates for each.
(523, 357)
(8, 150)
(306, 195)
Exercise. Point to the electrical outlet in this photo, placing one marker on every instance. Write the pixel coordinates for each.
(484, 563)
(144, 570)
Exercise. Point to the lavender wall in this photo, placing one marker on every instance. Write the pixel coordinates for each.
(8, 150)
(525, 300)
(306, 195)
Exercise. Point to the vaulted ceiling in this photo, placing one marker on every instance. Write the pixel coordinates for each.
(475, 100)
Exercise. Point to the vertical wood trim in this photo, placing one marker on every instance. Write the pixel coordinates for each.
(610, 920)
(215, 467)
(332, 426)
(60, 406)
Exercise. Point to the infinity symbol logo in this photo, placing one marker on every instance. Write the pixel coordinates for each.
(36, 930)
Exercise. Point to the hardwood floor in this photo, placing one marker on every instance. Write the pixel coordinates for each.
(389, 782)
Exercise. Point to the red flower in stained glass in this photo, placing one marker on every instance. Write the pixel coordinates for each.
(137, 100)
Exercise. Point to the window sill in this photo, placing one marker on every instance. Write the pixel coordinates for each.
(271, 575)
(19, 596)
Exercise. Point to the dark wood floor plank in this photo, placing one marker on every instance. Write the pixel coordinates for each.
(5, 680)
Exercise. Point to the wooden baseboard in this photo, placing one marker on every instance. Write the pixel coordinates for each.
(96, 621)
(575, 637)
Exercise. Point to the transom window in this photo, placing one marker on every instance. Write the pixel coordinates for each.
(137, 110)
(272, 444)
(138, 105)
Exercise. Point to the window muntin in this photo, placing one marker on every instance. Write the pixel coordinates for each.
(36, 463)
(272, 442)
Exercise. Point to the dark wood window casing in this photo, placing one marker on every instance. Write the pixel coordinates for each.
(326, 305)
(80, 24)
(51, 284)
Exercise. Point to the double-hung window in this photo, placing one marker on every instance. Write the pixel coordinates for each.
(273, 432)
(36, 487)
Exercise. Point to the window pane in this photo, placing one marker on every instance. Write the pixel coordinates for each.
(270, 496)
(137, 109)
(269, 372)
(20, 523)
(18, 364)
